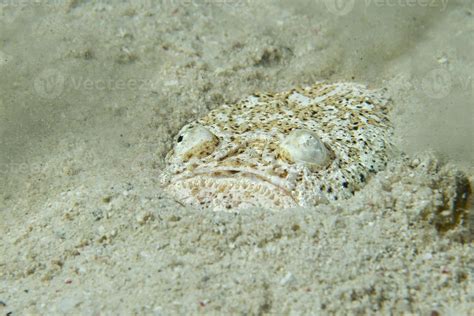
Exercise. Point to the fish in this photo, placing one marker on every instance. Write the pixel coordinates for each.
(298, 148)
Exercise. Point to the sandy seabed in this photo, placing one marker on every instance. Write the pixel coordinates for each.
(92, 92)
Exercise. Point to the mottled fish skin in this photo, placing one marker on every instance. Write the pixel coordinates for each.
(302, 147)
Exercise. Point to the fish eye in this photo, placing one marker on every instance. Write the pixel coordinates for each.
(303, 146)
(196, 141)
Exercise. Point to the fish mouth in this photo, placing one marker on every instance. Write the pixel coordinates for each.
(231, 188)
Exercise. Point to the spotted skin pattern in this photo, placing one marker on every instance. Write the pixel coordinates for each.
(234, 158)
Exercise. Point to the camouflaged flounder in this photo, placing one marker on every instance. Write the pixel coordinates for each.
(298, 148)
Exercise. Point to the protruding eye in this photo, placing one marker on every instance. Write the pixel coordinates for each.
(196, 141)
(303, 146)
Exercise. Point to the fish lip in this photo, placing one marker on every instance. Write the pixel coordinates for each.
(245, 173)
